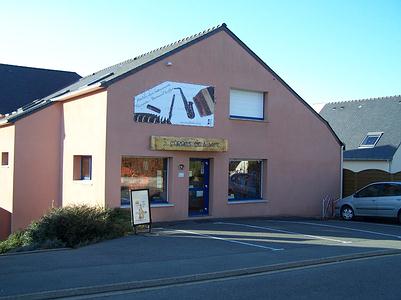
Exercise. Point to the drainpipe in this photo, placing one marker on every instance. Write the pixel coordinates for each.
(341, 171)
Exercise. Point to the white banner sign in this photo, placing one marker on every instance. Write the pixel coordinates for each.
(176, 103)
(140, 207)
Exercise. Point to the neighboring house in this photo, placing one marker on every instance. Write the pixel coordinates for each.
(371, 132)
(203, 123)
(22, 85)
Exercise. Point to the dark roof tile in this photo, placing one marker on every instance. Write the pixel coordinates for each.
(352, 120)
(21, 85)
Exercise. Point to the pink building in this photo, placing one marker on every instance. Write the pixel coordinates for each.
(203, 123)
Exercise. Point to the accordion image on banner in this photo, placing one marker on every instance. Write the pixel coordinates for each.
(204, 101)
(176, 103)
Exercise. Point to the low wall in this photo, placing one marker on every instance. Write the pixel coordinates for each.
(353, 181)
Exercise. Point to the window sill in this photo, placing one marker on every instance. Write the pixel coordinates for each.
(156, 205)
(247, 201)
(84, 182)
(249, 120)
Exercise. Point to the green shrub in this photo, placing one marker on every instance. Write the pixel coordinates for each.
(71, 226)
(119, 222)
(14, 241)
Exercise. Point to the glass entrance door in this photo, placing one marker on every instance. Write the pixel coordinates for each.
(198, 187)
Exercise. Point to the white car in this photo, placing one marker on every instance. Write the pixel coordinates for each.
(379, 199)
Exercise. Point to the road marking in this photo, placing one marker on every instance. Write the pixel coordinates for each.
(340, 227)
(228, 240)
(286, 231)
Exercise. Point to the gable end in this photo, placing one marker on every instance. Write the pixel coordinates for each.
(224, 28)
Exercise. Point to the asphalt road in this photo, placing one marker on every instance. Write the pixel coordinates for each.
(199, 250)
(372, 278)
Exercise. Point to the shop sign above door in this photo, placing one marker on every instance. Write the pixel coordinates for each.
(176, 103)
(172, 143)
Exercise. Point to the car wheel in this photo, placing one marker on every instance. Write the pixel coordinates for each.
(347, 213)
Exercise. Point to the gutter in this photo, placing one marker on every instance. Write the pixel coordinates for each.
(3, 121)
(369, 159)
(85, 90)
(79, 92)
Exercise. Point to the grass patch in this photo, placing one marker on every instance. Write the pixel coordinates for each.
(72, 226)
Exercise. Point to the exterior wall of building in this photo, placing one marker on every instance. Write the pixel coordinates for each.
(302, 157)
(7, 134)
(36, 165)
(84, 133)
(357, 166)
(395, 165)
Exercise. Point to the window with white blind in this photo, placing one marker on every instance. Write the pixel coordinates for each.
(246, 105)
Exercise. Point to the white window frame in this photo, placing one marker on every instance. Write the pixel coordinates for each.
(238, 116)
(371, 134)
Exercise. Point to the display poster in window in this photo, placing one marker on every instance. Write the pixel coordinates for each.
(140, 207)
(176, 103)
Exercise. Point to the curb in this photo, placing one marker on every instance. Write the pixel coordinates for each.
(82, 291)
(33, 252)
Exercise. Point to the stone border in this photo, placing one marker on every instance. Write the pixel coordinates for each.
(33, 252)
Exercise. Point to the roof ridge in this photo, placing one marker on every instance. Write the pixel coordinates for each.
(366, 99)
(38, 68)
(193, 36)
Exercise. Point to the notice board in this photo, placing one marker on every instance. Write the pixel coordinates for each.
(140, 208)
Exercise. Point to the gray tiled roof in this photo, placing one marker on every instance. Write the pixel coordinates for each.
(111, 74)
(352, 120)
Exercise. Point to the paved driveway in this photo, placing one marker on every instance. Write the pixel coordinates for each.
(191, 251)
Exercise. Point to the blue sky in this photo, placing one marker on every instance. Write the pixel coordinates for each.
(325, 50)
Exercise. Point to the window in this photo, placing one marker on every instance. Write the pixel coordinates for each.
(392, 189)
(244, 180)
(246, 105)
(370, 140)
(374, 190)
(82, 167)
(144, 173)
(4, 158)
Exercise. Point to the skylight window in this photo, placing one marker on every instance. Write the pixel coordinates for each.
(370, 140)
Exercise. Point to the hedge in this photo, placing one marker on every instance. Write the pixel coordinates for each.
(71, 226)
